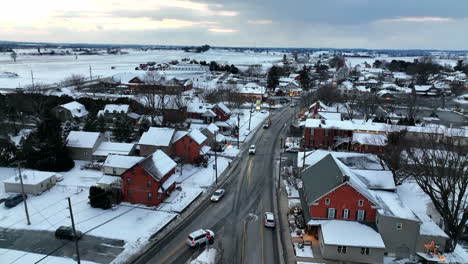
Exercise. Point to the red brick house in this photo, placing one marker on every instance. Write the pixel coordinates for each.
(190, 146)
(223, 113)
(208, 113)
(150, 181)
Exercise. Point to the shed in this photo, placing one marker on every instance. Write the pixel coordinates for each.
(34, 182)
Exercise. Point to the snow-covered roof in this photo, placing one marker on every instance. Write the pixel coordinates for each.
(428, 227)
(376, 179)
(224, 108)
(178, 135)
(76, 109)
(82, 139)
(158, 164)
(31, 177)
(348, 233)
(204, 150)
(157, 136)
(209, 113)
(422, 88)
(252, 88)
(116, 108)
(197, 106)
(370, 139)
(126, 77)
(330, 115)
(391, 205)
(197, 136)
(106, 148)
(108, 180)
(121, 161)
(212, 128)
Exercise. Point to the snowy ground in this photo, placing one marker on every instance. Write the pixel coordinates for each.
(305, 252)
(15, 256)
(208, 256)
(132, 223)
(257, 119)
(52, 69)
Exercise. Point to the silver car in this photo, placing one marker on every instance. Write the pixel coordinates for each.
(269, 219)
(217, 195)
(199, 237)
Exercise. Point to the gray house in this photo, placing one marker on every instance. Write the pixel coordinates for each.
(70, 111)
(83, 144)
(34, 182)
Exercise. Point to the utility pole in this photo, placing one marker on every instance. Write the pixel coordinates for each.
(74, 231)
(90, 74)
(216, 160)
(22, 191)
(250, 116)
(281, 157)
(238, 130)
(304, 157)
(32, 80)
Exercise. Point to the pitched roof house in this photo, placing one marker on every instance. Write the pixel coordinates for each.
(82, 144)
(190, 146)
(70, 111)
(156, 138)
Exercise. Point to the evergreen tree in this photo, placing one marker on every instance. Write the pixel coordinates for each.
(273, 77)
(90, 124)
(144, 126)
(122, 130)
(101, 124)
(305, 80)
(45, 149)
(98, 198)
(7, 152)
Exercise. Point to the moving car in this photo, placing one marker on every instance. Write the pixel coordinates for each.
(252, 150)
(292, 149)
(217, 195)
(14, 200)
(66, 232)
(267, 124)
(269, 219)
(199, 237)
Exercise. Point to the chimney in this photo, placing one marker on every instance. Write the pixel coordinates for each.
(345, 178)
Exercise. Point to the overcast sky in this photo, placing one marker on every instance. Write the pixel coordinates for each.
(392, 24)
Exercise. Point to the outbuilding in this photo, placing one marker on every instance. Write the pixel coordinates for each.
(34, 182)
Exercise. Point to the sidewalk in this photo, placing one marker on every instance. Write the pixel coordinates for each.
(284, 227)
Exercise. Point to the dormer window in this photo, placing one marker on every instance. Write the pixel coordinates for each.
(327, 201)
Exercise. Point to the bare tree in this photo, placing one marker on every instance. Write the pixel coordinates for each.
(149, 93)
(368, 106)
(74, 80)
(440, 170)
(13, 56)
(351, 105)
(328, 94)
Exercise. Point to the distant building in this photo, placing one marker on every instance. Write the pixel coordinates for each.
(34, 182)
(70, 111)
(83, 144)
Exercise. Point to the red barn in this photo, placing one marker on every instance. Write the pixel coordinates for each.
(190, 146)
(223, 113)
(150, 181)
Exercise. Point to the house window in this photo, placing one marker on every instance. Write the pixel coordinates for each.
(327, 201)
(341, 249)
(148, 183)
(361, 215)
(129, 180)
(312, 132)
(331, 213)
(361, 203)
(365, 251)
(345, 213)
(399, 226)
(311, 142)
(150, 196)
(325, 132)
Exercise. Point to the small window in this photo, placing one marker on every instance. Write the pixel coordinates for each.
(150, 196)
(399, 226)
(129, 180)
(365, 251)
(345, 214)
(327, 201)
(361, 203)
(312, 132)
(148, 183)
(331, 213)
(344, 250)
(361, 215)
(339, 249)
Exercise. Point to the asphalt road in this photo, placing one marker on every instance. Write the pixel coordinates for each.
(96, 249)
(237, 219)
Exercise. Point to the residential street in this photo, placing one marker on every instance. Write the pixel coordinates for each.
(237, 219)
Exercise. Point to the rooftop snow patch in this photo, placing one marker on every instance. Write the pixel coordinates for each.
(348, 233)
(428, 227)
(158, 164)
(31, 177)
(82, 139)
(330, 116)
(116, 108)
(76, 109)
(391, 205)
(197, 136)
(120, 161)
(370, 139)
(107, 148)
(157, 136)
(224, 108)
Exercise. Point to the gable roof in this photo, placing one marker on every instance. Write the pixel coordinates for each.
(121, 161)
(117, 108)
(158, 164)
(82, 139)
(197, 136)
(76, 109)
(224, 108)
(157, 136)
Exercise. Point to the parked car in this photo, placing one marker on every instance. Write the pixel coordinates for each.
(14, 200)
(252, 150)
(66, 232)
(199, 237)
(292, 149)
(263, 111)
(267, 124)
(217, 195)
(269, 219)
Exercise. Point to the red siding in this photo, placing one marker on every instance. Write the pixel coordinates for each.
(136, 190)
(344, 197)
(187, 149)
(368, 148)
(146, 150)
(220, 115)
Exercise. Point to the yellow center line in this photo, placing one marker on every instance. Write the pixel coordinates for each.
(172, 252)
(249, 171)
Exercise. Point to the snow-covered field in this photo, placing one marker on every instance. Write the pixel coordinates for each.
(53, 69)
